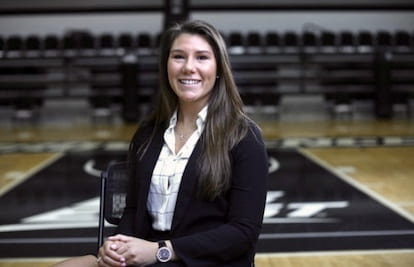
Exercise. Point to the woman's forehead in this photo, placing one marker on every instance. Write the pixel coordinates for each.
(186, 41)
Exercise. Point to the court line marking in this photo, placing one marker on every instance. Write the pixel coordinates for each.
(334, 253)
(258, 255)
(262, 236)
(335, 234)
(49, 240)
(38, 167)
(33, 260)
(350, 180)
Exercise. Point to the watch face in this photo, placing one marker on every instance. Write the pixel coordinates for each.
(163, 254)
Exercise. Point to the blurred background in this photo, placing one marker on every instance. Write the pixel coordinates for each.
(330, 82)
(85, 60)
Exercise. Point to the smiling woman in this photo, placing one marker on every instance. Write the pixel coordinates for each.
(198, 166)
(192, 75)
(192, 69)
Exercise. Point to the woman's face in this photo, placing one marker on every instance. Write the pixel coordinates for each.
(192, 69)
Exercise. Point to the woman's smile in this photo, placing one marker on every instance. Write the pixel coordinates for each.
(192, 68)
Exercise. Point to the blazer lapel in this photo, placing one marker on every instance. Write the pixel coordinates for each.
(188, 187)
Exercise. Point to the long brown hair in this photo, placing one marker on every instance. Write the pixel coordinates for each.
(226, 123)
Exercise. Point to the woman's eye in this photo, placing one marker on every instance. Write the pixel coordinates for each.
(202, 57)
(177, 57)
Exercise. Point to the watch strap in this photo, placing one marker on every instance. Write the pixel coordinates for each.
(161, 244)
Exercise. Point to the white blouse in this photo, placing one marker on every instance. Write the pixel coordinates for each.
(168, 171)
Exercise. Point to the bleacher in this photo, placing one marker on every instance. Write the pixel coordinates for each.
(107, 69)
(121, 69)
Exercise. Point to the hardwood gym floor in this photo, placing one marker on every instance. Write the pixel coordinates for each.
(377, 157)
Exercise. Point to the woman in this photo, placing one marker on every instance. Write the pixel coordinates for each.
(198, 165)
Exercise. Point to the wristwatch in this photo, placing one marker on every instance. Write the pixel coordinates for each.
(164, 253)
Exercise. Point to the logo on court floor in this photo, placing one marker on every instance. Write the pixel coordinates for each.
(309, 207)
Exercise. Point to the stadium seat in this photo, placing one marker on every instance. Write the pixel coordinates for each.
(236, 45)
(309, 42)
(365, 42)
(51, 46)
(14, 46)
(254, 43)
(328, 42)
(402, 42)
(125, 43)
(1, 46)
(346, 43)
(144, 43)
(106, 44)
(87, 44)
(291, 42)
(33, 46)
(272, 42)
(384, 39)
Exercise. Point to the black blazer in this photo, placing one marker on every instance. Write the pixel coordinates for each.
(222, 232)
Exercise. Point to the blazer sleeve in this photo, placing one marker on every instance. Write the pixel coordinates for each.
(237, 236)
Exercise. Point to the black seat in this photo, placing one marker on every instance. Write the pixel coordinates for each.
(125, 42)
(1, 46)
(106, 44)
(384, 39)
(69, 44)
(272, 42)
(236, 43)
(291, 42)
(254, 43)
(14, 46)
(328, 42)
(144, 43)
(33, 46)
(346, 42)
(402, 42)
(114, 184)
(365, 41)
(87, 44)
(309, 42)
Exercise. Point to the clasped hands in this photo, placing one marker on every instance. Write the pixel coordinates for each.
(122, 250)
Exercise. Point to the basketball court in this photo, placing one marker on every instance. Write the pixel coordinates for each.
(332, 198)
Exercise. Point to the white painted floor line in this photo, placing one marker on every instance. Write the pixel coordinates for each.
(358, 185)
(30, 172)
(334, 253)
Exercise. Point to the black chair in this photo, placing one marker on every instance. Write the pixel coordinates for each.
(125, 42)
(52, 46)
(144, 43)
(254, 43)
(14, 46)
(384, 39)
(346, 42)
(291, 42)
(402, 42)
(309, 42)
(114, 183)
(328, 42)
(1, 46)
(272, 42)
(33, 46)
(365, 42)
(236, 43)
(87, 44)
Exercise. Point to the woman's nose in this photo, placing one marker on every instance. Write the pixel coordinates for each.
(189, 66)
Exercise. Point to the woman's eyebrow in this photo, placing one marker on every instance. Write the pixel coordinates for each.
(197, 51)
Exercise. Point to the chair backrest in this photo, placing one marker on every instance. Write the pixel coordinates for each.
(114, 183)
